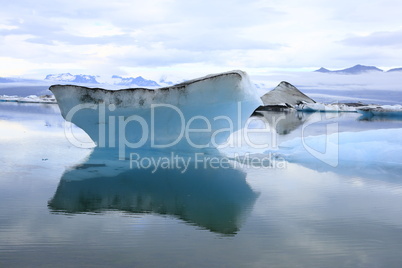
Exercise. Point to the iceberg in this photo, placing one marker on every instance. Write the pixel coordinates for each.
(196, 114)
(285, 95)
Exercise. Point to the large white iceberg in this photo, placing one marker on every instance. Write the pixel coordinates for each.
(199, 113)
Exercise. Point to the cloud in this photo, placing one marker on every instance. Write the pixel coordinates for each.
(380, 39)
(197, 26)
(226, 33)
(49, 33)
(132, 33)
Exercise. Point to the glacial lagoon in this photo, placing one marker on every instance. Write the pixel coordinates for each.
(66, 206)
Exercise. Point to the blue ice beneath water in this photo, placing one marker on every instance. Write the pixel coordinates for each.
(364, 151)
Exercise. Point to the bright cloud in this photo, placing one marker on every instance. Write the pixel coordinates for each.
(118, 36)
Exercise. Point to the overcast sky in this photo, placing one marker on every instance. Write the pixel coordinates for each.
(157, 37)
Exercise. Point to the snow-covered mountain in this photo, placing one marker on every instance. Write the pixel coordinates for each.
(131, 81)
(67, 77)
(91, 79)
(357, 69)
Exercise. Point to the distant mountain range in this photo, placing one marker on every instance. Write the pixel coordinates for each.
(138, 81)
(83, 79)
(90, 79)
(395, 70)
(24, 87)
(357, 69)
(67, 77)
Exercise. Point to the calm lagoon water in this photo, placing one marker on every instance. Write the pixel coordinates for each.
(62, 206)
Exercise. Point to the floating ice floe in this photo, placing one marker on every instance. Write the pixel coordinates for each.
(28, 99)
(199, 113)
(381, 110)
(365, 109)
(333, 107)
(5, 98)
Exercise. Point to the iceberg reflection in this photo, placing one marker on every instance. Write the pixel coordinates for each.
(291, 123)
(283, 122)
(217, 199)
